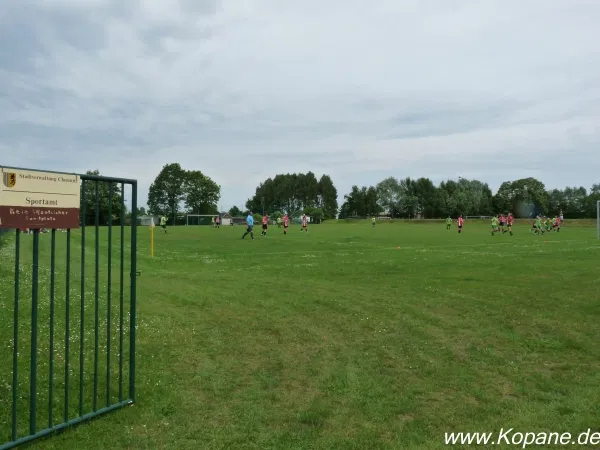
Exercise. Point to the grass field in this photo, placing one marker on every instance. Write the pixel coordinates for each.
(344, 338)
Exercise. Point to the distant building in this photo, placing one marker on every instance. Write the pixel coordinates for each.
(226, 218)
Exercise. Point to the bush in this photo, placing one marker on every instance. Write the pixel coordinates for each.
(315, 214)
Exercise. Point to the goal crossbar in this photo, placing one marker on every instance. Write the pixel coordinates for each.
(201, 219)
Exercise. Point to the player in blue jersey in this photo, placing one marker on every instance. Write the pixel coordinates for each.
(250, 226)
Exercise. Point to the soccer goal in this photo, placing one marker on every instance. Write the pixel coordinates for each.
(147, 221)
(199, 219)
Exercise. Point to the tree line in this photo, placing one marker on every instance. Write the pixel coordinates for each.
(420, 198)
(417, 198)
(294, 194)
(176, 191)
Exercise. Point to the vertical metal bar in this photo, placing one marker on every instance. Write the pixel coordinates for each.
(34, 330)
(96, 294)
(67, 323)
(132, 298)
(121, 291)
(15, 379)
(51, 362)
(82, 312)
(109, 306)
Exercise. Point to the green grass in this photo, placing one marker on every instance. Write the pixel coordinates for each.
(346, 338)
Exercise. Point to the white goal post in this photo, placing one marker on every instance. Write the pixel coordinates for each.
(199, 219)
(598, 218)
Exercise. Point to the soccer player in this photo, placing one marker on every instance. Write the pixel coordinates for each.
(557, 224)
(495, 224)
(448, 223)
(501, 222)
(286, 223)
(304, 223)
(460, 223)
(250, 226)
(548, 224)
(217, 221)
(510, 220)
(212, 222)
(265, 225)
(163, 223)
(538, 225)
(373, 221)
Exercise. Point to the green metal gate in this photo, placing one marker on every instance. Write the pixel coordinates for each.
(73, 319)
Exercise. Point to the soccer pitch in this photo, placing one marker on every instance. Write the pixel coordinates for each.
(348, 337)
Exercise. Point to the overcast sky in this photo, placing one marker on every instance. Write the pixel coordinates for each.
(360, 90)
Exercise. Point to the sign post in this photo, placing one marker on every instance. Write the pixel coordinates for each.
(32, 199)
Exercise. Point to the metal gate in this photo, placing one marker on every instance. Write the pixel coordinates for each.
(73, 318)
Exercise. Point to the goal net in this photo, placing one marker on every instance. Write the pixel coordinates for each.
(199, 219)
(148, 221)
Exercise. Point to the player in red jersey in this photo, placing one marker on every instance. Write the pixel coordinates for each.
(304, 223)
(510, 220)
(557, 222)
(460, 223)
(217, 222)
(286, 223)
(265, 225)
(502, 223)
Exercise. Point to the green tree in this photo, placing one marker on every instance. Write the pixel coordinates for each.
(307, 190)
(316, 214)
(530, 197)
(360, 202)
(276, 215)
(504, 198)
(524, 197)
(167, 191)
(327, 197)
(574, 201)
(294, 192)
(390, 195)
(353, 204)
(201, 193)
(591, 202)
(106, 214)
(235, 212)
(424, 191)
(556, 201)
(410, 202)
